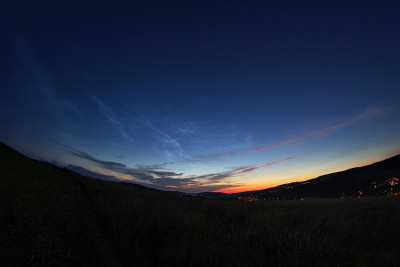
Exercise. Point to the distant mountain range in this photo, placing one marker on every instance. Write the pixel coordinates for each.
(380, 178)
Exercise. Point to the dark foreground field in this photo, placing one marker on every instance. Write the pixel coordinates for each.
(51, 217)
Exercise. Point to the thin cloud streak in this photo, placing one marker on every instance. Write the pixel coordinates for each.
(215, 179)
(170, 179)
(112, 118)
(171, 146)
(38, 80)
(115, 167)
(365, 116)
(268, 164)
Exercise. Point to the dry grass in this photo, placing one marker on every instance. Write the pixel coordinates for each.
(49, 217)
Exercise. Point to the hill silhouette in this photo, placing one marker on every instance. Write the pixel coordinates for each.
(377, 179)
(53, 216)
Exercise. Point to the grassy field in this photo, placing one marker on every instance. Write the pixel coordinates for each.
(52, 217)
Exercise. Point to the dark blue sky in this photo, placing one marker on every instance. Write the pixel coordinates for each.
(199, 96)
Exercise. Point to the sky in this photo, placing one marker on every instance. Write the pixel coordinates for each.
(198, 96)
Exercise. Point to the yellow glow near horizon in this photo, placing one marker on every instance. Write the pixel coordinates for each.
(291, 175)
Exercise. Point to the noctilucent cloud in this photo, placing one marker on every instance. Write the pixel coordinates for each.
(224, 96)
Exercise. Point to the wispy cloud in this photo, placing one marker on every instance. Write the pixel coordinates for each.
(259, 166)
(175, 137)
(179, 137)
(171, 146)
(217, 180)
(365, 116)
(112, 118)
(38, 82)
(136, 127)
(170, 179)
(153, 166)
(115, 167)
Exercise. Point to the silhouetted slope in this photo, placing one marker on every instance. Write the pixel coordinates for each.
(47, 217)
(370, 180)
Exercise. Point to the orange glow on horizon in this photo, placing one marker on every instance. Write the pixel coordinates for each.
(245, 188)
(307, 176)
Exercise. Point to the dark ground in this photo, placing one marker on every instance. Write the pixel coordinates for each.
(52, 217)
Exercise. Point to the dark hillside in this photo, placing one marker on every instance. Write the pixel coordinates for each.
(47, 216)
(378, 179)
(50, 216)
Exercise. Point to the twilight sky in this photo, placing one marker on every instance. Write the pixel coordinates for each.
(202, 95)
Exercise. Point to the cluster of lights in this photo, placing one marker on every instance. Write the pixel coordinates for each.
(253, 198)
(383, 187)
